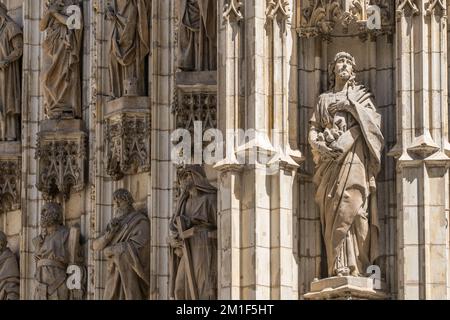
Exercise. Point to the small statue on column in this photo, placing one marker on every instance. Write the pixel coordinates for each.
(126, 247)
(9, 272)
(130, 45)
(193, 241)
(56, 248)
(347, 142)
(11, 49)
(197, 38)
(62, 47)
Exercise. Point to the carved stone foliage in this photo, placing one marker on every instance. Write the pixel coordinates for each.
(322, 17)
(10, 170)
(61, 160)
(196, 106)
(128, 144)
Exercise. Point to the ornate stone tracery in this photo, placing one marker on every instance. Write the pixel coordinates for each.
(322, 17)
(127, 144)
(61, 159)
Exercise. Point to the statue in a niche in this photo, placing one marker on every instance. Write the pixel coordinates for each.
(62, 22)
(9, 272)
(56, 248)
(126, 246)
(11, 49)
(193, 240)
(197, 38)
(347, 142)
(130, 45)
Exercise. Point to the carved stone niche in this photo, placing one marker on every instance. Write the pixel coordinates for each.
(196, 100)
(127, 131)
(61, 154)
(10, 176)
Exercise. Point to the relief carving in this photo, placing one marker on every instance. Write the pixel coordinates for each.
(347, 143)
(11, 49)
(321, 17)
(193, 241)
(61, 47)
(126, 247)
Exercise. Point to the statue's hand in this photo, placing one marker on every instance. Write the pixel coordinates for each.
(340, 106)
(327, 152)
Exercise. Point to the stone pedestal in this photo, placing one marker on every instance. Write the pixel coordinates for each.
(127, 136)
(10, 174)
(344, 288)
(61, 155)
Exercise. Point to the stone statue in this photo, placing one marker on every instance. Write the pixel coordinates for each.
(130, 45)
(197, 38)
(193, 241)
(56, 248)
(126, 247)
(347, 142)
(11, 49)
(9, 272)
(62, 44)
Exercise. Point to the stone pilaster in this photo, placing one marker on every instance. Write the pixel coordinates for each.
(256, 261)
(422, 149)
(162, 171)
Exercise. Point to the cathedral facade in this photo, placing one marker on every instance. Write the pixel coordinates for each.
(232, 149)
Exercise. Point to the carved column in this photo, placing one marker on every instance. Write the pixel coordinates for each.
(230, 39)
(256, 259)
(422, 149)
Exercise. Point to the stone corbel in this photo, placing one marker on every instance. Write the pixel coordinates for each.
(10, 176)
(127, 136)
(61, 154)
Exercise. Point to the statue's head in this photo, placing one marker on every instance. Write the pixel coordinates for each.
(123, 201)
(194, 176)
(3, 241)
(342, 67)
(51, 215)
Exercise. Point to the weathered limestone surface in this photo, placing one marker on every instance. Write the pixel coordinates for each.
(93, 113)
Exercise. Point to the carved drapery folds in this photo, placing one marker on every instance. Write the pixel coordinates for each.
(128, 137)
(130, 46)
(11, 49)
(61, 69)
(61, 158)
(322, 17)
